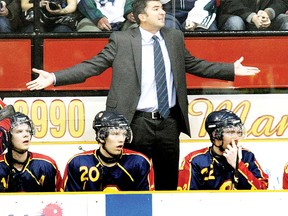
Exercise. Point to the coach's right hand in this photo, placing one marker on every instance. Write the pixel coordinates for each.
(44, 80)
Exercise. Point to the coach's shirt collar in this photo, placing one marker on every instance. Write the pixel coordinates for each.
(147, 36)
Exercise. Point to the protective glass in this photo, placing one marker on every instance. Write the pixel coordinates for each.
(117, 131)
(18, 123)
(238, 131)
(124, 131)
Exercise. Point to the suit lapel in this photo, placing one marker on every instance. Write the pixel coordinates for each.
(136, 43)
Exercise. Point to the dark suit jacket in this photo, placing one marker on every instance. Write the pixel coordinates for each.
(244, 8)
(123, 53)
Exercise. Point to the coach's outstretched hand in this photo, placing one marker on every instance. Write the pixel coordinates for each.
(44, 80)
(241, 70)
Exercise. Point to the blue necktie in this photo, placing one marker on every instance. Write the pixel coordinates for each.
(160, 77)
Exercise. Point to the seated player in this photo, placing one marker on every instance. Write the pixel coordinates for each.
(111, 167)
(225, 165)
(22, 170)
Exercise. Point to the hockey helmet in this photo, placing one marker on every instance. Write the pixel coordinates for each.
(19, 118)
(105, 121)
(218, 122)
(8, 124)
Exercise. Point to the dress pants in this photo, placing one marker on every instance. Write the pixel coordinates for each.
(158, 139)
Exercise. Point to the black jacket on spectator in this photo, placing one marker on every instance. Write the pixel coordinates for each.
(14, 7)
(244, 8)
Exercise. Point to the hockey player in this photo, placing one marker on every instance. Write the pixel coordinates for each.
(225, 165)
(22, 170)
(110, 167)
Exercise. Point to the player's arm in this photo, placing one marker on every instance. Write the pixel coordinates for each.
(251, 175)
(184, 175)
(3, 185)
(285, 177)
(58, 180)
(71, 178)
(145, 177)
(50, 179)
(187, 175)
(190, 175)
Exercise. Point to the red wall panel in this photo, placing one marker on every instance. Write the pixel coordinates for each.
(267, 53)
(15, 64)
(63, 53)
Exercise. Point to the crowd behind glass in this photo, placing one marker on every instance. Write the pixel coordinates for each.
(114, 15)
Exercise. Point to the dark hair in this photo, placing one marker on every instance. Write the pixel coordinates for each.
(138, 7)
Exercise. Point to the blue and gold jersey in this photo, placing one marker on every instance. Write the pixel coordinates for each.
(39, 174)
(84, 172)
(201, 171)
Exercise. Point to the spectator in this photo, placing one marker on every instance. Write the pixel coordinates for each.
(10, 20)
(133, 90)
(110, 167)
(22, 170)
(191, 15)
(225, 165)
(105, 15)
(253, 15)
(285, 177)
(55, 15)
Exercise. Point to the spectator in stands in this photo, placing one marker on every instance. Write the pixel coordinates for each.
(225, 165)
(55, 15)
(191, 15)
(285, 177)
(10, 20)
(113, 167)
(22, 170)
(133, 88)
(105, 15)
(253, 15)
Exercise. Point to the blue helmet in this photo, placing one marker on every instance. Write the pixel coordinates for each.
(106, 120)
(217, 121)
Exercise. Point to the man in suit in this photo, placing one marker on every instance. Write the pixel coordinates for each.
(133, 89)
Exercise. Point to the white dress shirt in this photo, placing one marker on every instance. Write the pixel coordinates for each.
(148, 99)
